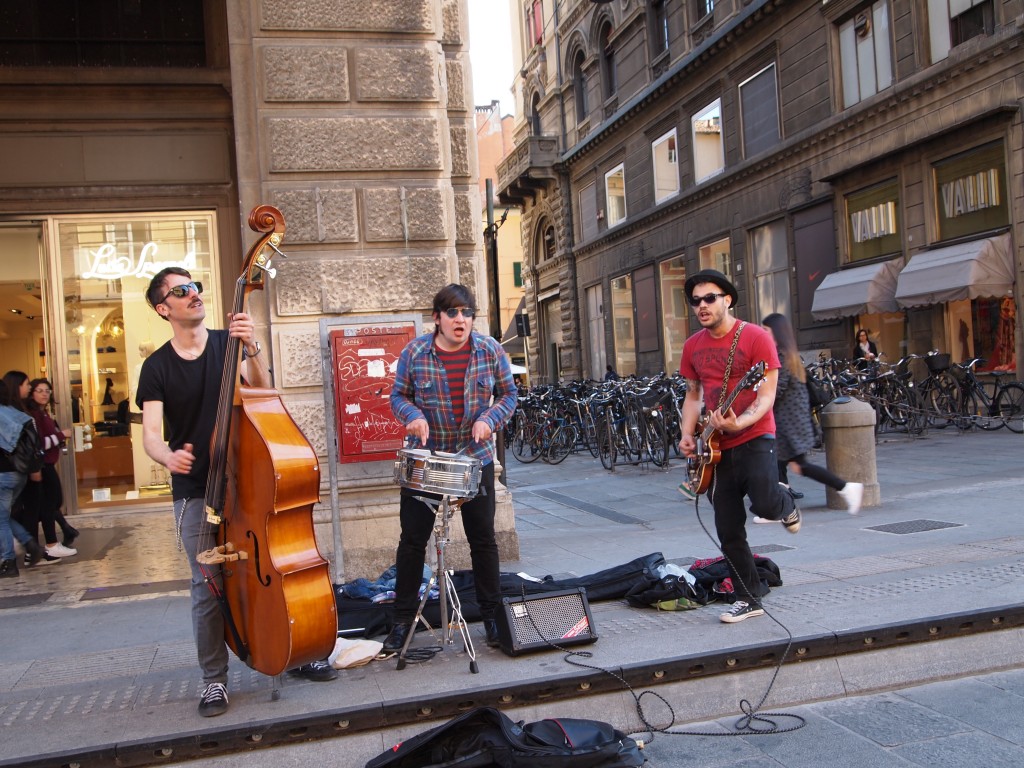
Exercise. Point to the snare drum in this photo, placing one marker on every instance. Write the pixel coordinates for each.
(445, 474)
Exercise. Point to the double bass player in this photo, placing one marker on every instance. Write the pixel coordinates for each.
(178, 393)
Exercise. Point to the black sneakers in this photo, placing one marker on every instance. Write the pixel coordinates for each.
(318, 671)
(8, 569)
(740, 611)
(491, 633)
(214, 700)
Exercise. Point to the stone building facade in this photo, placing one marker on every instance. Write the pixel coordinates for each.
(850, 164)
(355, 119)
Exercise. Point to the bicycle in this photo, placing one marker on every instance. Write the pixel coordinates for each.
(1003, 407)
(939, 393)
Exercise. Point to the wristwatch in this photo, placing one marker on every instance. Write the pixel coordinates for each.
(245, 352)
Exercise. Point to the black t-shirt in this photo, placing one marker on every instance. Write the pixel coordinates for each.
(189, 390)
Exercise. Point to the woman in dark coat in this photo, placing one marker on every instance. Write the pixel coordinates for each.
(47, 495)
(864, 348)
(794, 434)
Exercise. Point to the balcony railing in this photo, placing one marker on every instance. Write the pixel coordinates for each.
(530, 167)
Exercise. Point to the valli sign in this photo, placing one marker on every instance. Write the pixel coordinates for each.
(969, 194)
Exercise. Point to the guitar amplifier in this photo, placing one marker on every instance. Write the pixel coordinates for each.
(538, 622)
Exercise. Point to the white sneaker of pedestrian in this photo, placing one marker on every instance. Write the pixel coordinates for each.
(764, 520)
(59, 550)
(853, 494)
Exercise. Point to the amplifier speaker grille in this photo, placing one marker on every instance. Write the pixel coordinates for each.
(537, 622)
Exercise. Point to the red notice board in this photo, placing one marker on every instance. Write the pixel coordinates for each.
(363, 360)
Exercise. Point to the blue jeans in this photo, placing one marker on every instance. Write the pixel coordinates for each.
(11, 484)
(751, 470)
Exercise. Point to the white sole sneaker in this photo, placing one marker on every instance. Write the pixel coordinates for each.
(764, 520)
(853, 495)
(59, 550)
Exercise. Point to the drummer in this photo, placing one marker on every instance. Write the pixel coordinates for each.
(453, 389)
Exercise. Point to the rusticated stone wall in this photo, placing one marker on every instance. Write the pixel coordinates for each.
(355, 119)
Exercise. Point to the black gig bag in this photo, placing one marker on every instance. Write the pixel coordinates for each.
(486, 738)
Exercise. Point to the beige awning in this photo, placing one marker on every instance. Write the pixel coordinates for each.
(980, 268)
(857, 291)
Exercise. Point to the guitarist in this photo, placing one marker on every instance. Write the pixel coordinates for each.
(746, 432)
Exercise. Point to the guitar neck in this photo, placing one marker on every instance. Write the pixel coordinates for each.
(709, 430)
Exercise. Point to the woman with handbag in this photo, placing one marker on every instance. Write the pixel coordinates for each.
(794, 433)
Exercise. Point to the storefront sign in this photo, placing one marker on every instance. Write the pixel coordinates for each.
(105, 263)
(873, 221)
(970, 193)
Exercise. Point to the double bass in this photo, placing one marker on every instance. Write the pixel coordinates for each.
(264, 479)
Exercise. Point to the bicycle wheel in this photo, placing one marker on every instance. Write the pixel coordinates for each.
(1010, 406)
(525, 444)
(561, 444)
(898, 404)
(606, 439)
(981, 413)
(942, 400)
(657, 440)
(589, 434)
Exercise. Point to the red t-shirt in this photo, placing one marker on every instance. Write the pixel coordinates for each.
(704, 358)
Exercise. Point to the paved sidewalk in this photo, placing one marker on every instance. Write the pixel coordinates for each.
(99, 666)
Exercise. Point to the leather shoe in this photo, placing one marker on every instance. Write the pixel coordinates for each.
(396, 638)
(491, 633)
(317, 671)
(795, 494)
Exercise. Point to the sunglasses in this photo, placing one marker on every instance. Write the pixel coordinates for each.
(708, 298)
(181, 291)
(466, 312)
(42, 391)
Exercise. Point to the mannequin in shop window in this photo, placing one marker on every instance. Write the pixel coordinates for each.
(108, 394)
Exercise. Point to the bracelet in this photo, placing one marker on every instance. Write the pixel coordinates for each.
(245, 352)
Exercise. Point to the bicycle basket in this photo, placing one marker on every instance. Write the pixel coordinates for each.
(937, 363)
(959, 373)
(653, 396)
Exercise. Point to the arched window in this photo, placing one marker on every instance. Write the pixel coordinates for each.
(579, 85)
(546, 242)
(535, 115)
(608, 61)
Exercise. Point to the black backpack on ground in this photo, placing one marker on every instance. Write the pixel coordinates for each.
(27, 456)
(486, 738)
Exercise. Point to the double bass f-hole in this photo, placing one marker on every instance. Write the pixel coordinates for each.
(264, 580)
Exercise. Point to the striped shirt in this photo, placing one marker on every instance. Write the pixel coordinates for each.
(421, 391)
(455, 365)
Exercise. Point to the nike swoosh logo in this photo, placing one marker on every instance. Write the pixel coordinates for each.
(813, 275)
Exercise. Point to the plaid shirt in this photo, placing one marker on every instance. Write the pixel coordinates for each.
(421, 392)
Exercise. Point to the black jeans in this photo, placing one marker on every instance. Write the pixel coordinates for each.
(749, 470)
(813, 471)
(417, 521)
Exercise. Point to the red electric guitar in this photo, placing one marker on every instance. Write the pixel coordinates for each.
(701, 466)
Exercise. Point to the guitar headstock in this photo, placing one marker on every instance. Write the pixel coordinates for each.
(753, 378)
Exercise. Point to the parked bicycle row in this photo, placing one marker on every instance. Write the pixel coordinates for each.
(626, 421)
(946, 394)
(637, 420)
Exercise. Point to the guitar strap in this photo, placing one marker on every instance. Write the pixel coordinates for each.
(728, 365)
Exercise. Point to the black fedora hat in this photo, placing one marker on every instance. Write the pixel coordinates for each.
(712, 276)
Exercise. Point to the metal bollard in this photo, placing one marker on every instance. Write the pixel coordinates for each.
(849, 435)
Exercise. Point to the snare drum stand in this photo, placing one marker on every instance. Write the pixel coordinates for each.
(443, 509)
